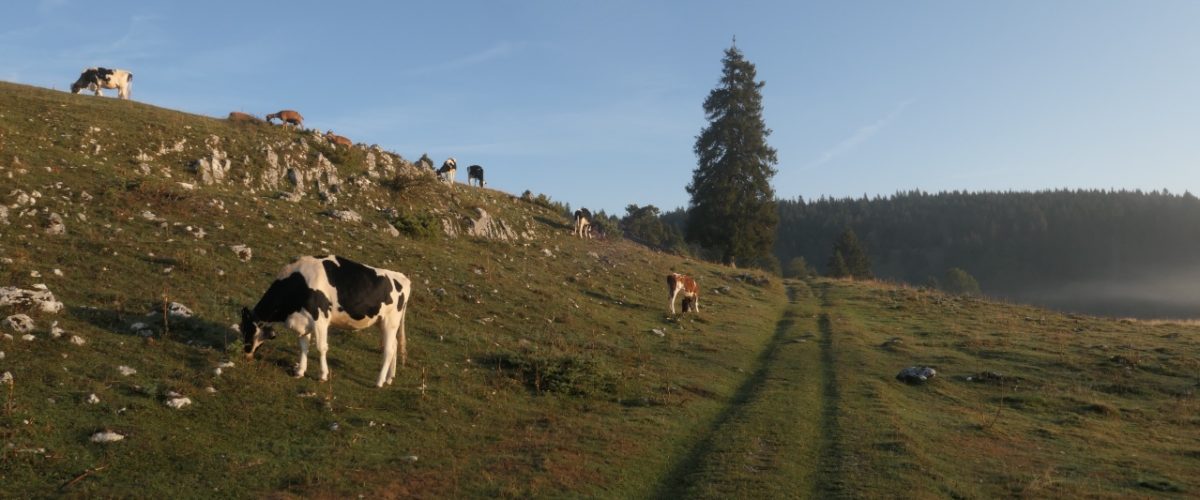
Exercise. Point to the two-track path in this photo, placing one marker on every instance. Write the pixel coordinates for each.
(778, 435)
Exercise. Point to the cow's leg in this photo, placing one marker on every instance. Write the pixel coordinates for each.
(322, 330)
(389, 353)
(671, 301)
(302, 366)
(696, 303)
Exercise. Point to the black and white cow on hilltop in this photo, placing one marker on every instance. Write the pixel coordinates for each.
(583, 223)
(95, 79)
(314, 293)
(448, 171)
(475, 172)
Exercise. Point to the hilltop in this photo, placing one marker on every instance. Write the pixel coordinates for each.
(539, 364)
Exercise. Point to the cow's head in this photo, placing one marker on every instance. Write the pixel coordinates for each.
(254, 333)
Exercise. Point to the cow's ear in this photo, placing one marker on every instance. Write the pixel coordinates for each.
(246, 316)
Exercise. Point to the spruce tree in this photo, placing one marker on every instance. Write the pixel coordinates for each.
(837, 266)
(858, 265)
(732, 210)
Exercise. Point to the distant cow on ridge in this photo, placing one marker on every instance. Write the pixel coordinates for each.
(583, 223)
(95, 79)
(448, 170)
(475, 172)
(314, 293)
(287, 116)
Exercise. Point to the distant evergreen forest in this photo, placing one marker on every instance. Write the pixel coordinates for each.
(1107, 252)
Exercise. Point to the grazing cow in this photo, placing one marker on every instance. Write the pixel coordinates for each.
(314, 293)
(583, 223)
(475, 172)
(95, 79)
(448, 170)
(337, 139)
(238, 116)
(287, 116)
(691, 292)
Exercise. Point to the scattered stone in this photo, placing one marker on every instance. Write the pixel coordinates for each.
(92, 399)
(106, 437)
(40, 297)
(55, 331)
(440, 292)
(916, 374)
(1, 354)
(178, 402)
(409, 458)
(334, 427)
(593, 255)
(19, 323)
(77, 340)
(345, 215)
(547, 252)
(243, 252)
(179, 310)
(227, 364)
(6, 378)
(658, 332)
(210, 389)
(54, 225)
(28, 337)
(126, 371)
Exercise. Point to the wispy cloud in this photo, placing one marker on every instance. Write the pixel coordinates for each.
(862, 135)
(498, 51)
(46, 6)
(138, 42)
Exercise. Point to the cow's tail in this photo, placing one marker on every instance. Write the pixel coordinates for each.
(129, 78)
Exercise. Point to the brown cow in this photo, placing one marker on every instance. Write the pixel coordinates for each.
(287, 116)
(691, 292)
(337, 139)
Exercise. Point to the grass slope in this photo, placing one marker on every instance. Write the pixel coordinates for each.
(535, 373)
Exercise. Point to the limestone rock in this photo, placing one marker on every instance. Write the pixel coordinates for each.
(40, 297)
(19, 323)
(916, 374)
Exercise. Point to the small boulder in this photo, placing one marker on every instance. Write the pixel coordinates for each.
(243, 252)
(916, 374)
(178, 402)
(106, 437)
(19, 323)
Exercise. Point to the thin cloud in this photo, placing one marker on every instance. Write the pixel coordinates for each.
(862, 135)
(498, 51)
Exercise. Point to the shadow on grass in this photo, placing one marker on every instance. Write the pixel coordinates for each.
(552, 223)
(192, 331)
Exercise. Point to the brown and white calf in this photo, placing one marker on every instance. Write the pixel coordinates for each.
(447, 172)
(583, 223)
(95, 79)
(287, 116)
(314, 293)
(691, 292)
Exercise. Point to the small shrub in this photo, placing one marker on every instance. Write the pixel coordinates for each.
(417, 224)
(563, 374)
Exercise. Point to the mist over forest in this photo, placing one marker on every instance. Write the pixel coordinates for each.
(1113, 253)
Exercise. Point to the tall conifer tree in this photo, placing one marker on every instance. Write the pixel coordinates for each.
(732, 210)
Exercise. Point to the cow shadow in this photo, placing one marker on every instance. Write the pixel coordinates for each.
(552, 223)
(193, 331)
(609, 299)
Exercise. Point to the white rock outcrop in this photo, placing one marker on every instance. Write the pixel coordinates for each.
(40, 297)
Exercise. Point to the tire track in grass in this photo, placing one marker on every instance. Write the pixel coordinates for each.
(765, 442)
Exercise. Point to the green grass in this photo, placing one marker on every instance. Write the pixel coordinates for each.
(529, 375)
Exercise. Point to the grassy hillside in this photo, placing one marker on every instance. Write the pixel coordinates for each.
(539, 365)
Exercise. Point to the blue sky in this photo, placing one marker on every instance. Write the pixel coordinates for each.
(598, 103)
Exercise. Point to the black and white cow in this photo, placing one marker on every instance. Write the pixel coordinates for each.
(583, 223)
(95, 79)
(314, 293)
(475, 172)
(448, 170)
